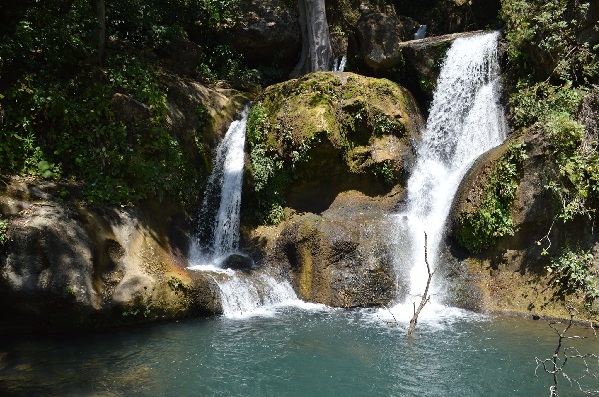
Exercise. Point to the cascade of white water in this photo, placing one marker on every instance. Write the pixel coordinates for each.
(465, 120)
(339, 64)
(221, 205)
(240, 293)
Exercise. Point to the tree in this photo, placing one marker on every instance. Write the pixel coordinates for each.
(316, 46)
(99, 8)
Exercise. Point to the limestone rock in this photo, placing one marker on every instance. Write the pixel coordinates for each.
(341, 258)
(335, 132)
(67, 265)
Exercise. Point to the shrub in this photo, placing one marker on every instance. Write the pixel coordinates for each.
(573, 272)
(478, 230)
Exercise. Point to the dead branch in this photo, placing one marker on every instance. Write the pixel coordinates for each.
(425, 297)
(555, 365)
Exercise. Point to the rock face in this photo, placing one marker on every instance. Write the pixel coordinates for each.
(198, 115)
(129, 110)
(269, 32)
(65, 265)
(510, 275)
(326, 133)
(340, 258)
(379, 36)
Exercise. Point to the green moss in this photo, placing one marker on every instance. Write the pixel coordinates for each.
(291, 119)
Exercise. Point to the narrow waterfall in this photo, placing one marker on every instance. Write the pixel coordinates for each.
(219, 216)
(218, 239)
(465, 120)
(339, 64)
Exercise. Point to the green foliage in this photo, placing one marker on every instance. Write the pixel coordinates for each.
(534, 104)
(577, 160)
(548, 31)
(554, 68)
(478, 230)
(573, 273)
(3, 231)
(58, 117)
(66, 128)
(384, 170)
(270, 176)
(222, 62)
(383, 125)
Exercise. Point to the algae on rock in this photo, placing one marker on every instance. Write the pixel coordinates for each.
(314, 137)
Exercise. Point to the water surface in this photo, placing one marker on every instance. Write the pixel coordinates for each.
(290, 352)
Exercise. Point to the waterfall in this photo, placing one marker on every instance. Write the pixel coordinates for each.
(465, 120)
(339, 64)
(219, 215)
(217, 245)
(242, 294)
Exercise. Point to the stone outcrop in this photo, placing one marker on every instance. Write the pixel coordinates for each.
(335, 132)
(128, 110)
(340, 258)
(379, 36)
(66, 265)
(199, 116)
(511, 276)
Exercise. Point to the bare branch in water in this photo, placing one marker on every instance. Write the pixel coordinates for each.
(425, 297)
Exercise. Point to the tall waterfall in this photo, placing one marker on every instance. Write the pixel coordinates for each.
(218, 240)
(220, 209)
(465, 120)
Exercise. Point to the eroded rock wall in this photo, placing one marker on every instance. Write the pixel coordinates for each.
(66, 265)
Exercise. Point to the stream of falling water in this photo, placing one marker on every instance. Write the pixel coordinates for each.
(241, 292)
(465, 120)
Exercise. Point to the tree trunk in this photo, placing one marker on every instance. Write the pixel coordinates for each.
(316, 46)
(99, 8)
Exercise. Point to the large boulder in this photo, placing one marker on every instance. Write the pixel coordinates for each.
(379, 36)
(511, 274)
(311, 138)
(340, 258)
(66, 265)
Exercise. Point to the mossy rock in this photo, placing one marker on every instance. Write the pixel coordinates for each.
(326, 133)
